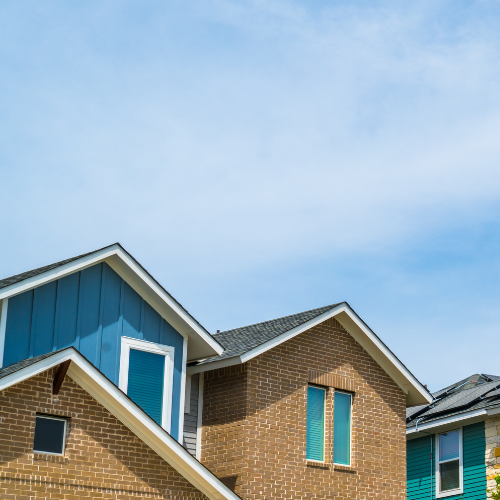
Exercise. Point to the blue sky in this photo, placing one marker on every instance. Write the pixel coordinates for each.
(261, 158)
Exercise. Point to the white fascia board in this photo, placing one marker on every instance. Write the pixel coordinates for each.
(59, 272)
(172, 304)
(415, 392)
(447, 421)
(35, 369)
(121, 262)
(223, 363)
(114, 400)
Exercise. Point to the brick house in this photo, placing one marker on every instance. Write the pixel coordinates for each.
(312, 405)
(454, 443)
(110, 389)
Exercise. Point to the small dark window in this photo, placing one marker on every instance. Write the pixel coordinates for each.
(50, 435)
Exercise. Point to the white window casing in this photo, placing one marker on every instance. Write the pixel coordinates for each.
(166, 351)
(438, 462)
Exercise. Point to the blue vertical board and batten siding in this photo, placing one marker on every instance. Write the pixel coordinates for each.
(90, 310)
(421, 466)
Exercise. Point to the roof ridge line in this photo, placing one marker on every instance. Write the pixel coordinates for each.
(331, 306)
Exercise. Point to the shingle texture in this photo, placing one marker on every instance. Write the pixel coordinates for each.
(241, 340)
(9, 370)
(473, 393)
(40, 270)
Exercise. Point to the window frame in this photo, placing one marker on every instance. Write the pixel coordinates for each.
(51, 417)
(351, 395)
(324, 389)
(456, 491)
(128, 343)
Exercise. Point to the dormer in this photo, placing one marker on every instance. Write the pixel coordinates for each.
(109, 308)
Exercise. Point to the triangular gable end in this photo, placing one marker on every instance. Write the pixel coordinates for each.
(200, 344)
(359, 330)
(127, 412)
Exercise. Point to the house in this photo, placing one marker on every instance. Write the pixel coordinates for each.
(312, 405)
(454, 442)
(110, 389)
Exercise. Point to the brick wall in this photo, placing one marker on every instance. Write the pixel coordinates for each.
(103, 458)
(260, 409)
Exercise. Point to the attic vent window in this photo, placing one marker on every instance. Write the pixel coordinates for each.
(50, 435)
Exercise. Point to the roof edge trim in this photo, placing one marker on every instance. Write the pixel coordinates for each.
(121, 406)
(357, 328)
(115, 250)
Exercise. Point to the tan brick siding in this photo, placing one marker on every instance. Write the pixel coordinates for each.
(103, 458)
(269, 424)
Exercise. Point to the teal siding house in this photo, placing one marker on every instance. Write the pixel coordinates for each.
(448, 451)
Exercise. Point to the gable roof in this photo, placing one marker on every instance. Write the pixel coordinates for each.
(471, 397)
(124, 409)
(243, 344)
(241, 340)
(201, 344)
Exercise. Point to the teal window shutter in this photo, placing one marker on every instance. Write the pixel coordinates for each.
(342, 429)
(315, 423)
(146, 374)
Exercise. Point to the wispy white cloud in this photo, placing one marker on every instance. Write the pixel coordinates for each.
(219, 139)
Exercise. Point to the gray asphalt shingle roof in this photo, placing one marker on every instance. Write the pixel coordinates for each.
(17, 278)
(475, 392)
(9, 370)
(241, 340)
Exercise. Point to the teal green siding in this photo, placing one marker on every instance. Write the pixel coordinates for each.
(90, 310)
(421, 475)
(420, 468)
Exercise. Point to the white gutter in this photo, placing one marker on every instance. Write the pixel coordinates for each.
(475, 414)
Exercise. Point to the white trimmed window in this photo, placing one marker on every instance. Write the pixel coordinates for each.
(50, 435)
(146, 376)
(449, 467)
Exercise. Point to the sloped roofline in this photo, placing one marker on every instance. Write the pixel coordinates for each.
(416, 393)
(124, 409)
(201, 344)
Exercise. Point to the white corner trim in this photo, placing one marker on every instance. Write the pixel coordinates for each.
(199, 423)
(182, 402)
(4, 305)
(447, 421)
(123, 408)
(169, 353)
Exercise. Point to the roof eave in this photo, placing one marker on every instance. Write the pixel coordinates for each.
(201, 344)
(415, 392)
(450, 422)
(115, 401)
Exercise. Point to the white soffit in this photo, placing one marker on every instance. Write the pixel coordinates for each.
(201, 344)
